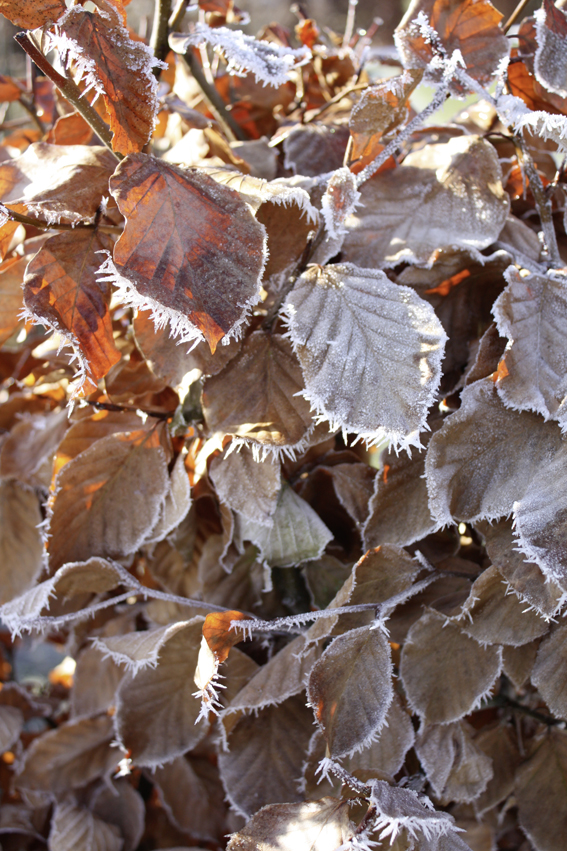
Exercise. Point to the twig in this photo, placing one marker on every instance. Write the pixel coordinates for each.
(107, 406)
(69, 90)
(43, 225)
(338, 97)
(502, 701)
(542, 201)
(349, 28)
(29, 107)
(515, 15)
(177, 16)
(158, 38)
(214, 101)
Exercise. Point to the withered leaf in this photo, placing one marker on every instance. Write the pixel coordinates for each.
(548, 674)
(354, 484)
(27, 452)
(388, 750)
(189, 799)
(62, 291)
(94, 683)
(198, 269)
(69, 757)
(21, 548)
(75, 828)
(117, 67)
(314, 149)
(456, 767)
(156, 711)
(549, 61)
(107, 499)
(248, 486)
(255, 396)
(499, 743)
(219, 634)
(395, 806)
(310, 826)
(87, 430)
(11, 725)
(539, 792)
(137, 650)
(118, 804)
(11, 300)
(362, 372)
(176, 504)
(32, 13)
(265, 756)
(350, 689)
(443, 195)
(518, 662)
(437, 650)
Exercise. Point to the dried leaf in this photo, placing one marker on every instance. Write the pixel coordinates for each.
(397, 808)
(314, 149)
(539, 792)
(248, 486)
(386, 753)
(27, 452)
(120, 805)
(435, 651)
(11, 300)
(354, 484)
(499, 743)
(549, 62)
(108, 498)
(363, 373)
(11, 725)
(176, 504)
(86, 431)
(61, 291)
(456, 767)
(189, 799)
(176, 266)
(548, 674)
(32, 13)
(518, 662)
(350, 689)
(95, 682)
(77, 829)
(21, 548)
(444, 195)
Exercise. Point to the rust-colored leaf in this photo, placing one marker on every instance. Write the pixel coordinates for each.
(191, 251)
(11, 276)
(219, 635)
(9, 89)
(61, 290)
(32, 13)
(70, 129)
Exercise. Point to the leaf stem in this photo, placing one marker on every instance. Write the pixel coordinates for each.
(515, 15)
(29, 107)
(214, 101)
(542, 201)
(160, 31)
(177, 15)
(43, 225)
(69, 90)
(502, 701)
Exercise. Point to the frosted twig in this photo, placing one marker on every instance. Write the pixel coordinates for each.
(43, 225)
(158, 39)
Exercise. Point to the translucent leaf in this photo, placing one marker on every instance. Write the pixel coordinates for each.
(99, 49)
(32, 13)
(247, 486)
(265, 756)
(495, 615)
(435, 651)
(297, 533)
(70, 756)
(548, 674)
(86, 431)
(530, 313)
(485, 456)
(107, 499)
(540, 792)
(549, 61)
(310, 826)
(11, 302)
(350, 689)
(11, 725)
(156, 712)
(443, 195)
(95, 682)
(363, 373)
(21, 548)
(75, 828)
(456, 767)
(199, 272)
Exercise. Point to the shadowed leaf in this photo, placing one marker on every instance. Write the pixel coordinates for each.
(11, 725)
(77, 829)
(21, 547)
(456, 767)
(247, 486)
(540, 792)
(548, 674)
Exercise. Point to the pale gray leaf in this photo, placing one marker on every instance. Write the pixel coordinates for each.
(403, 808)
(550, 64)
(456, 767)
(11, 725)
(176, 504)
(77, 829)
(21, 549)
(246, 485)
(548, 674)
(138, 650)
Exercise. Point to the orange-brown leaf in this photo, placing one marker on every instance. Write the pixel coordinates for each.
(524, 85)
(70, 129)
(11, 276)
(32, 13)
(218, 634)
(9, 89)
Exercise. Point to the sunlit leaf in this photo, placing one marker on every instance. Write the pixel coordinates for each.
(549, 61)
(247, 486)
(11, 301)
(32, 13)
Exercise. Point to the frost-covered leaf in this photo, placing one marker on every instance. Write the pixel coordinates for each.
(310, 826)
(265, 755)
(515, 113)
(456, 767)
(32, 13)
(350, 689)
(99, 49)
(518, 662)
(400, 809)
(176, 504)
(70, 756)
(58, 182)
(531, 313)
(337, 204)
(297, 533)
(62, 292)
(495, 615)
(549, 62)
(438, 651)
(28, 450)
(314, 149)
(108, 498)
(75, 828)
(21, 548)
(255, 396)
(485, 456)
(540, 792)
(11, 725)
(156, 710)
(443, 195)
(138, 650)
(548, 674)
(200, 272)
(362, 372)
(270, 62)
(353, 485)
(95, 682)
(248, 486)
(499, 742)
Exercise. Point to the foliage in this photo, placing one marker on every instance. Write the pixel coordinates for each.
(283, 402)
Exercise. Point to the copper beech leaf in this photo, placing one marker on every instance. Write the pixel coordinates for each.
(350, 689)
(438, 651)
(21, 547)
(248, 486)
(548, 673)
(32, 13)
(363, 372)
(75, 828)
(95, 681)
(549, 61)
(62, 292)
(456, 767)
(11, 276)
(540, 792)
(11, 725)
(99, 47)
(178, 784)
(191, 251)
(119, 805)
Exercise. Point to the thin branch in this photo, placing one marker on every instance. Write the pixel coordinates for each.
(177, 16)
(502, 701)
(43, 225)
(338, 97)
(542, 201)
(29, 107)
(515, 15)
(107, 406)
(349, 28)
(69, 90)
(158, 38)
(214, 101)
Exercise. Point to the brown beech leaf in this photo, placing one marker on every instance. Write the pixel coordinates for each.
(156, 711)
(179, 266)
(549, 61)
(518, 662)
(248, 486)
(11, 725)
(548, 674)
(119, 805)
(62, 292)
(499, 742)
(388, 750)
(219, 634)
(255, 396)
(11, 297)
(530, 313)
(362, 371)
(86, 431)
(107, 499)
(265, 755)
(315, 149)
(539, 792)
(21, 548)
(32, 13)
(94, 683)
(117, 67)
(176, 504)
(137, 650)
(7, 232)
(59, 183)
(456, 767)
(443, 195)
(493, 615)
(471, 26)
(484, 457)
(71, 129)
(353, 485)
(350, 689)
(27, 452)
(9, 88)
(437, 650)
(309, 826)
(70, 756)
(75, 828)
